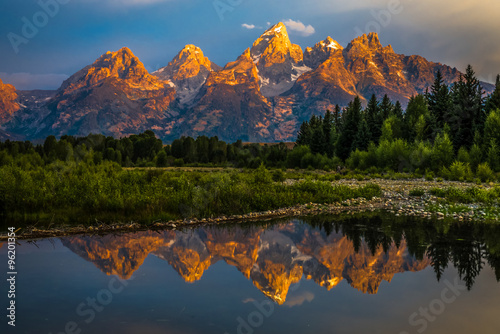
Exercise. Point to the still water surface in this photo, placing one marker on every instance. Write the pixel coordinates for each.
(375, 274)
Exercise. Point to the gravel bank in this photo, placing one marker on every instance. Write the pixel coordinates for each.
(395, 199)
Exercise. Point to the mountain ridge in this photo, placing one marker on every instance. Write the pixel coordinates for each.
(264, 95)
(273, 260)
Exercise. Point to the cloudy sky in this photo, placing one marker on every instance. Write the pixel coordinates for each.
(41, 47)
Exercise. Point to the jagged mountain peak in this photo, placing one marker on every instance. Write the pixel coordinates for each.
(191, 51)
(8, 104)
(273, 40)
(316, 55)
(115, 95)
(279, 61)
(277, 29)
(187, 63)
(240, 71)
(244, 56)
(188, 71)
(370, 41)
(264, 95)
(122, 65)
(331, 44)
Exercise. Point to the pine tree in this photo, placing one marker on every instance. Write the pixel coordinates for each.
(351, 121)
(493, 101)
(398, 111)
(468, 109)
(386, 107)
(439, 101)
(337, 118)
(492, 128)
(374, 119)
(304, 136)
(363, 136)
(328, 133)
(318, 137)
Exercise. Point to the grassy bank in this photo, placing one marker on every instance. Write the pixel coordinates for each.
(70, 192)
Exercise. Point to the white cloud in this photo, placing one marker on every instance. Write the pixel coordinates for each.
(299, 27)
(248, 26)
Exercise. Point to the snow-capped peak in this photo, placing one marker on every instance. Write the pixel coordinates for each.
(276, 29)
(333, 45)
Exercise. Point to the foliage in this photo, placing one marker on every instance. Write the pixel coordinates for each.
(417, 192)
(79, 191)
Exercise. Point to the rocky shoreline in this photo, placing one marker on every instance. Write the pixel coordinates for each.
(396, 199)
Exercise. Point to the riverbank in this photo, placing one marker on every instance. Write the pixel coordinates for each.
(418, 198)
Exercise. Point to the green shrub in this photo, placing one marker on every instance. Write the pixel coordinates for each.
(459, 171)
(438, 192)
(463, 155)
(179, 162)
(417, 192)
(370, 190)
(475, 156)
(442, 151)
(278, 175)
(262, 176)
(421, 156)
(484, 172)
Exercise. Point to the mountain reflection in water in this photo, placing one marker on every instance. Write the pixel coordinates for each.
(276, 256)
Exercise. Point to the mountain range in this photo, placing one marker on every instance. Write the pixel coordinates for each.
(262, 96)
(272, 259)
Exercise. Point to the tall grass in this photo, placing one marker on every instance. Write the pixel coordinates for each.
(102, 190)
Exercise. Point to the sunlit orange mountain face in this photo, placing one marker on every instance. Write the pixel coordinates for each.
(264, 95)
(272, 259)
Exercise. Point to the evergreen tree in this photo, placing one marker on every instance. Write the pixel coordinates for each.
(468, 113)
(492, 128)
(493, 101)
(189, 150)
(318, 137)
(49, 147)
(476, 156)
(351, 120)
(374, 119)
(363, 136)
(304, 136)
(203, 148)
(328, 133)
(439, 101)
(337, 118)
(398, 111)
(386, 107)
